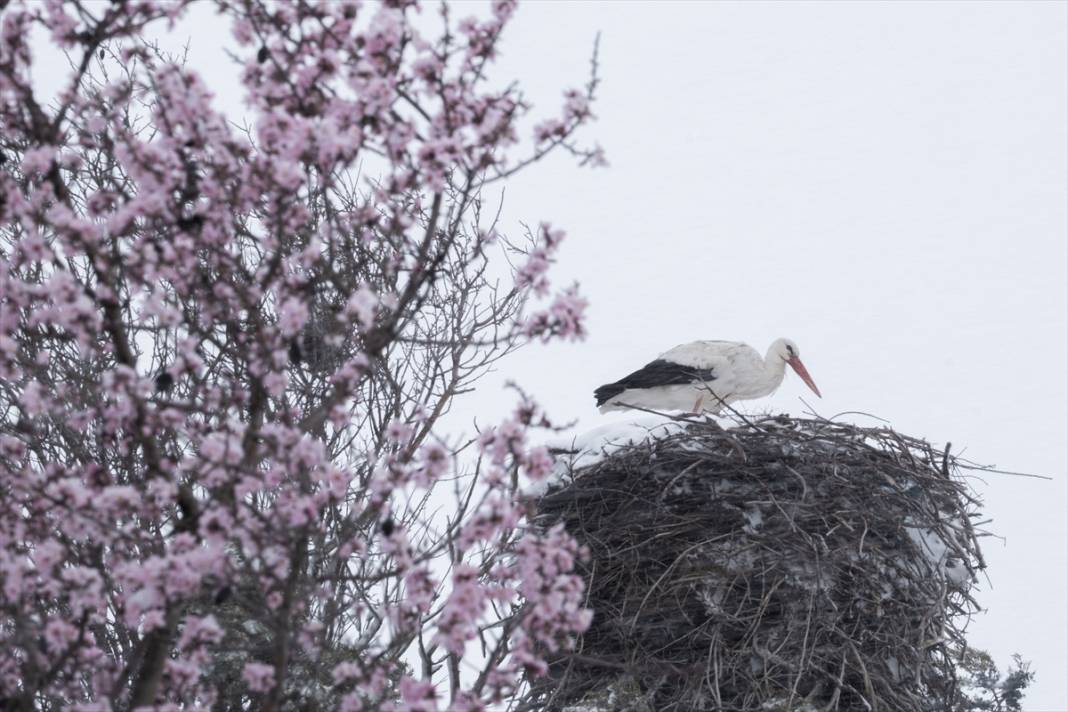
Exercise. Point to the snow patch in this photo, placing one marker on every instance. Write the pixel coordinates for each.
(754, 518)
(937, 553)
(577, 451)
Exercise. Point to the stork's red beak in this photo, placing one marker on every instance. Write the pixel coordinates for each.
(796, 364)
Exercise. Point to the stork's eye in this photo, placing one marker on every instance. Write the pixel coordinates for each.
(790, 349)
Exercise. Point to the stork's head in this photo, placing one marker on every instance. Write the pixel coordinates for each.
(787, 350)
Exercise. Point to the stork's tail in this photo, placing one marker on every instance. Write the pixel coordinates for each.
(607, 392)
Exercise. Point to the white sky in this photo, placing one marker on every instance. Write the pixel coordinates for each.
(884, 183)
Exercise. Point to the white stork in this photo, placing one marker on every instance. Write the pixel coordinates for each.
(704, 376)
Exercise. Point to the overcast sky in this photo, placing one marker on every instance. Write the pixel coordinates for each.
(884, 183)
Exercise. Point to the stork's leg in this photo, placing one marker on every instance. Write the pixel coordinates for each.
(697, 405)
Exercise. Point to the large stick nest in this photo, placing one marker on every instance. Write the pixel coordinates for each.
(782, 564)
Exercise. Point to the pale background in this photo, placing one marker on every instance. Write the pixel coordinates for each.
(884, 183)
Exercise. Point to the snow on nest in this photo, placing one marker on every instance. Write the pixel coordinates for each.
(937, 552)
(577, 451)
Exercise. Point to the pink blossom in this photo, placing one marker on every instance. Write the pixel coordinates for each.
(118, 500)
(95, 124)
(509, 438)
(576, 106)
(59, 634)
(418, 696)
(428, 68)
(297, 511)
(37, 161)
(242, 31)
(361, 306)
(398, 432)
(291, 316)
(433, 463)
(554, 596)
(551, 237)
(199, 630)
(346, 672)
(467, 701)
(420, 589)
(152, 619)
(497, 514)
(538, 464)
(503, 9)
(549, 130)
(532, 273)
(459, 618)
(564, 318)
(215, 524)
(258, 677)
(275, 383)
(48, 553)
(34, 248)
(33, 399)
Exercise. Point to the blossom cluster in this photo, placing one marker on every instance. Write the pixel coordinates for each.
(224, 350)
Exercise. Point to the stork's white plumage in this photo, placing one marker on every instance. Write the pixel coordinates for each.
(704, 376)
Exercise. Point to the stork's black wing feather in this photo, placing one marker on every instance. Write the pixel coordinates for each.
(657, 373)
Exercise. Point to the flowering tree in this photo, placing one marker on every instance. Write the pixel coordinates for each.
(225, 352)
